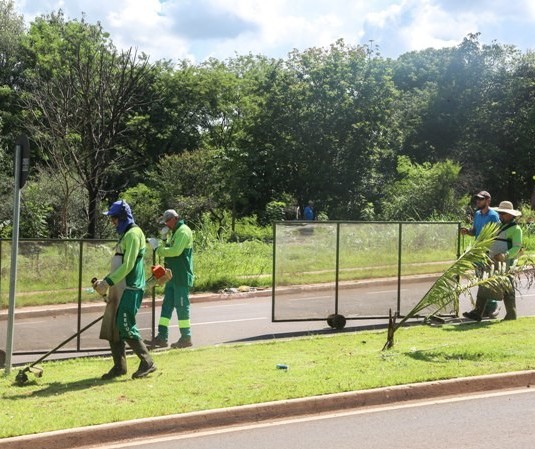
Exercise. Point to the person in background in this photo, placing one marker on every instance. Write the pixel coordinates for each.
(505, 249)
(177, 252)
(308, 213)
(123, 290)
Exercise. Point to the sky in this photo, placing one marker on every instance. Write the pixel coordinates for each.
(199, 29)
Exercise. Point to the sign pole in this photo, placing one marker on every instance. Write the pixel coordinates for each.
(22, 158)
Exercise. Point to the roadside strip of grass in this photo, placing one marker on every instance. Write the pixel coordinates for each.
(71, 394)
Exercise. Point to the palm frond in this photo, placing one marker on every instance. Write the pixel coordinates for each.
(447, 287)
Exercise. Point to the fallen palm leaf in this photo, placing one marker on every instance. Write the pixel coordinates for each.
(448, 287)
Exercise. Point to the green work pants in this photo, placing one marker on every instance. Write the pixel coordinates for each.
(485, 293)
(175, 298)
(126, 314)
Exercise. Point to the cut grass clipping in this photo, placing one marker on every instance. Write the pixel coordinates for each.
(71, 394)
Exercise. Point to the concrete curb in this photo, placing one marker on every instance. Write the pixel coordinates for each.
(187, 422)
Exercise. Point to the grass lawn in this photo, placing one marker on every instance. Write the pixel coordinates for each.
(71, 394)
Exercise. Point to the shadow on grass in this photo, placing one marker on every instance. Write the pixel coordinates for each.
(440, 357)
(57, 388)
(326, 331)
(469, 325)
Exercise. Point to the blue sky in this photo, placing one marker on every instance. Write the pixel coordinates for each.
(199, 29)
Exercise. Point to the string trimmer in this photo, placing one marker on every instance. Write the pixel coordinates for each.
(22, 377)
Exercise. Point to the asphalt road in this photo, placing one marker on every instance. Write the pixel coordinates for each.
(496, 420)
(232, 320)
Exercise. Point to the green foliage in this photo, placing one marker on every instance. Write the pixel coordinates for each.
(35, 210)
(146, 207)
(324, 124)
(422, 191)
(64, 193)
(189, 183)
(11, 87)
(83, 103)
(275, 211)
(248, 228)
(209, 232)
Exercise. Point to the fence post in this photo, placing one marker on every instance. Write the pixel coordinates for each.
(398, 311)
(80, 274)
(153, 300)
(337, 273)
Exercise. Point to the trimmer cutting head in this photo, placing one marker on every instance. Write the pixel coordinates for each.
(21, 378)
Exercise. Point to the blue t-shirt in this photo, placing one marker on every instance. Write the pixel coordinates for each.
(309, 213)
(481, 220)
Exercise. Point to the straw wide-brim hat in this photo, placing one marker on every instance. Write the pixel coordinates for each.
(507, 207)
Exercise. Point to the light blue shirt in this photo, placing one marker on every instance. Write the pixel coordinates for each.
(481, 220)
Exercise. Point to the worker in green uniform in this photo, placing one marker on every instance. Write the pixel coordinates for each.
(505, 249)
(177, 252)
(123, 290)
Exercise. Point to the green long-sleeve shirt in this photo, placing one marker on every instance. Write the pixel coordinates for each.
(132, 248)
(178, 254)
(508, 241)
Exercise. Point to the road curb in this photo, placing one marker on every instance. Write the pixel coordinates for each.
(247, 414)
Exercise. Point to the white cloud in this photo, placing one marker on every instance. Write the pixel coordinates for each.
(198, 29)
(434, 27)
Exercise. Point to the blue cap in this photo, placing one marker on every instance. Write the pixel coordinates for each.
(119, 208)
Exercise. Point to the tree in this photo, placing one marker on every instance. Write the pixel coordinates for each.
(326, 130)
(11, 79)
(190, 183)
(177, 122)
(146, 207)
(422, 191)
(458, 104)
(83, 100)
(509, 114)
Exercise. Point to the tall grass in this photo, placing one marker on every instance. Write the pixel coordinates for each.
(222, 265)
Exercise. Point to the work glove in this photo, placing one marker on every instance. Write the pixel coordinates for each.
(101, 287)
(163, 232)
(153, 242)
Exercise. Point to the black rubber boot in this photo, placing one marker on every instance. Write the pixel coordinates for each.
(119, 361)
(510, 307)
(146, 366)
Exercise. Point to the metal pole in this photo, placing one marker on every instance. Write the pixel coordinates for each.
(80, 276)
(400, 248)
(153, 300)
(337, 273)
(14, 254)
(274, 272)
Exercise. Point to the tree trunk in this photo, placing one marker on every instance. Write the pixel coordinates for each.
(92, 215)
